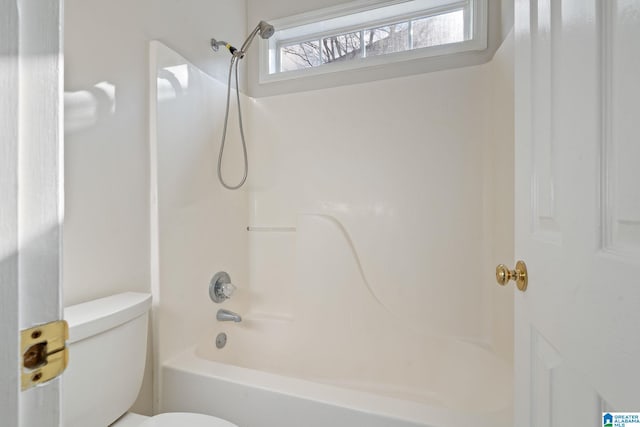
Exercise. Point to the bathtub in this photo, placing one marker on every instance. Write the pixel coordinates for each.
(459, 384)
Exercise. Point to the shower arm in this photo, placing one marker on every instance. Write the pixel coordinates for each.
(215, 45)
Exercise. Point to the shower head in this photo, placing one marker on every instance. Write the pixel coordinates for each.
(266, 30)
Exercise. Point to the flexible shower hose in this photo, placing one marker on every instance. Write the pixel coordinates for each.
(234, 60)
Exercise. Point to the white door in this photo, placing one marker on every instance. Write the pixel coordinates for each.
(30, 198)
(577, 210)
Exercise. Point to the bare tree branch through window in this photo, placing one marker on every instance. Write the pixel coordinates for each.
(435, 30)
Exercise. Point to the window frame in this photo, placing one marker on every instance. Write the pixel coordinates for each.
(270, 49)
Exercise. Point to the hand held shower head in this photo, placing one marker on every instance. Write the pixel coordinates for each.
(265, 30)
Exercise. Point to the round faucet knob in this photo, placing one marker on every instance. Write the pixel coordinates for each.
(220, 287)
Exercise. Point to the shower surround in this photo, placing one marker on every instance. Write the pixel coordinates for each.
(359, 247)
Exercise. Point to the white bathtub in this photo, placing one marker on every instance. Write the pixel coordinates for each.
(285, 387)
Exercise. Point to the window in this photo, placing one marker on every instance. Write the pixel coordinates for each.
(369, 33)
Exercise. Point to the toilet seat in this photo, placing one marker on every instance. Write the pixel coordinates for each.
(185, 419)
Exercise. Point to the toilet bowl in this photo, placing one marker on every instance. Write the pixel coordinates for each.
(107, 354)
(173, 419)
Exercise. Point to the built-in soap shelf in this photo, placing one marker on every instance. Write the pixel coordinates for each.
(272, 229)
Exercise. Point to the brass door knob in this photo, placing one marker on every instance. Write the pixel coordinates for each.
(519, 275)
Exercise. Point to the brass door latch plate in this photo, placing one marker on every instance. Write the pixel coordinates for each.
(44, 353)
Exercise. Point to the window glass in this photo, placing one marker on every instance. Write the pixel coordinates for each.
(341, 47)
(388, 39)
(438, 30)
(300, 55)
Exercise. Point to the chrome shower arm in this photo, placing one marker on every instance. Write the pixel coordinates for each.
(215, 45)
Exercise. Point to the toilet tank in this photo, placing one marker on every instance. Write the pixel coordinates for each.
(107, 354)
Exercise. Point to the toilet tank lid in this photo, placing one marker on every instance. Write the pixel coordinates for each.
(97, 316)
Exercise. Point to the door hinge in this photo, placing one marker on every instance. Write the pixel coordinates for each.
(44, 353)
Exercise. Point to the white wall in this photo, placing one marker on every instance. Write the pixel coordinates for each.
(106, 234)
(506, 17)
(106, 231)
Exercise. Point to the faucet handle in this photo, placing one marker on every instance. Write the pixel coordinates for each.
(227, 289)
(220, 287)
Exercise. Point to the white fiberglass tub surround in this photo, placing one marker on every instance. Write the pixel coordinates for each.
(336, 364)
(367, 299)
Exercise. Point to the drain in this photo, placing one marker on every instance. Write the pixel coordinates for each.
(221, 340)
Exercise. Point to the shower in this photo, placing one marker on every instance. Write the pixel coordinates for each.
(265, 30)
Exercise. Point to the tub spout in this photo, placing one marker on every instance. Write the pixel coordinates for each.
(228, 316)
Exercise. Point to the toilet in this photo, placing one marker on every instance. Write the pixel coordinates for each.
(107, 355)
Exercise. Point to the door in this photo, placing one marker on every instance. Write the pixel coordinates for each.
(30, 198)
(577, 64)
